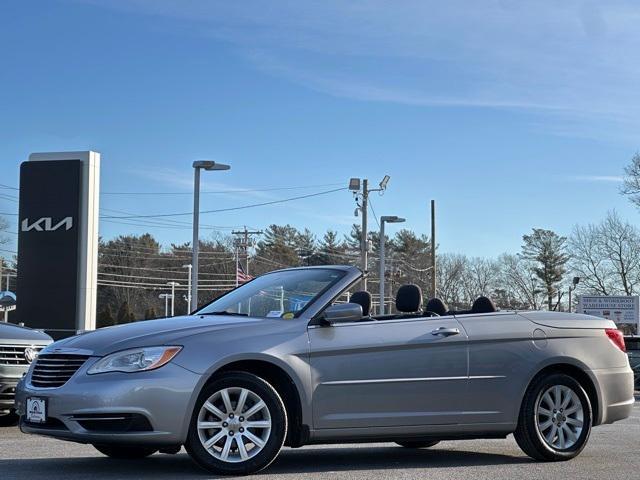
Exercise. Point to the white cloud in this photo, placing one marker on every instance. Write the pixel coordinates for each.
(597, 178)
(573, 62)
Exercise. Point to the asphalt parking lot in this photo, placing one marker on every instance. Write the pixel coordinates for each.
(613, 452)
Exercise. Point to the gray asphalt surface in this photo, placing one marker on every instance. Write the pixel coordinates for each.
(613, 452)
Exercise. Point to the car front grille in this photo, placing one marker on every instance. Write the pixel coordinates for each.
(54, 370)
(14, 354)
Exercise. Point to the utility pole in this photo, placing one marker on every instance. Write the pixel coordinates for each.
(244, 242)
(433, 249)
(364, 241)
(363, 207)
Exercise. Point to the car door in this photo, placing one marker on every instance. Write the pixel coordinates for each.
(388, 373)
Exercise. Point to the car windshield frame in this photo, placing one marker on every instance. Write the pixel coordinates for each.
(209, 309)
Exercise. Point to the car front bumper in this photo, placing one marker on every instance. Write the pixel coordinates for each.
(163, 397)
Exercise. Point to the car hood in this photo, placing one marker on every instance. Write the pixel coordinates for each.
(146, 333)
(14, 334)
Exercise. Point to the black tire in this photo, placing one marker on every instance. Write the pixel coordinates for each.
(274, 442)
(528, 435)
(418, 443)
(125, 452)
(8, 419)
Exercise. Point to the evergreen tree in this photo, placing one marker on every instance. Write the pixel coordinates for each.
(150, 313)
(105, 317)
(124, 314)
(547, 249)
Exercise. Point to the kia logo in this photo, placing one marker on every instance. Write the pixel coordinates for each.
(45, 224)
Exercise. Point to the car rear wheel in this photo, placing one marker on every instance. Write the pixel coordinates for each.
(125, 452)
(555, 419)
(238, 425)
(418, 444)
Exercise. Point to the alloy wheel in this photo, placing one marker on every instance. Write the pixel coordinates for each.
(559, 417)
(234, 424)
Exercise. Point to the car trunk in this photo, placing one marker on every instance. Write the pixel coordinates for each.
(568, 320)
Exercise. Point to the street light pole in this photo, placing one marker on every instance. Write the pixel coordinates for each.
(188, 267)
(197, 166)
(166, 303)
(173, 286)
(383, 220)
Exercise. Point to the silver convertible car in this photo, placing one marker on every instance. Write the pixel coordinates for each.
(294, 358)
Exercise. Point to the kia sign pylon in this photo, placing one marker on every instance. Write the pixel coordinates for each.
(58, 242)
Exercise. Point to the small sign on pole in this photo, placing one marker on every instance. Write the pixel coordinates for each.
(624, 311)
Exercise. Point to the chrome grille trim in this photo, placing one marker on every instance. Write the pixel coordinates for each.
(54, 370)
(14, 354)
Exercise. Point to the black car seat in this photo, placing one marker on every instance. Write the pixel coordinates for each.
(363, 299)
(483, 305)
(436, 305)
(409, 299)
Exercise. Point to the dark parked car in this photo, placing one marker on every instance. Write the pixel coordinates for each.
(19, 346)
(633, 350)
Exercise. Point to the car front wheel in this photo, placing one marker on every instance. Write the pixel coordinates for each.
(555, 419)
(238, 425)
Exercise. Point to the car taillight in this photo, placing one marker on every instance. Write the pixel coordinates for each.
(616, 337)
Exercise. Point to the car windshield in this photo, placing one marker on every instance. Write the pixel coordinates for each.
(281, 294)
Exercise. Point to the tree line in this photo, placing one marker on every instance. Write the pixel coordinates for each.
(134, 269)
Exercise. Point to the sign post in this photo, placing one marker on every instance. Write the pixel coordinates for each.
(58, 241)
(624, 311)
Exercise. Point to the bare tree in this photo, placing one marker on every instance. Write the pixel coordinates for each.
(607, 256)
(589, 261)
(631, 185)
(519, 278)
(4, 226)
(451, 271)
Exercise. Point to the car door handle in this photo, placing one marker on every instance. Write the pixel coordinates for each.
(445, 332)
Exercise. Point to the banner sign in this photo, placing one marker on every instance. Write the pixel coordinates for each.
(624, 311)
(57, 242)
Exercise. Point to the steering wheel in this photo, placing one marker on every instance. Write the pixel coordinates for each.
(430, 313)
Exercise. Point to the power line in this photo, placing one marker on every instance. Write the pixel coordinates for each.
(2, 185)
(249, 190)
(273, 202)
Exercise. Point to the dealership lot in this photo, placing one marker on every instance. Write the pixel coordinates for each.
(611, 453)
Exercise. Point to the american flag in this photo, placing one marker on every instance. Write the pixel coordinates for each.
(241, 275)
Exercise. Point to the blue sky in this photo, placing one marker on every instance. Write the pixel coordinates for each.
(511, 114)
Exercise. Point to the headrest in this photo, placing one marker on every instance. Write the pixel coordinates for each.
(409, 299)
(363, 299)
(483, 305)
(437, 306)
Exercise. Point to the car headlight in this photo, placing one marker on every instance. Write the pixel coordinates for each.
(135, 360)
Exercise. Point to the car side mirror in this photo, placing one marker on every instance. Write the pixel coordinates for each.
(343, 313)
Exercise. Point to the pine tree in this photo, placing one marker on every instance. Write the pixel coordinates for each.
(124, 314)
(547, 249)
(105, 317)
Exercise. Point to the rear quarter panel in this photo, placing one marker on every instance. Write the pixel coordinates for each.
(507, 350)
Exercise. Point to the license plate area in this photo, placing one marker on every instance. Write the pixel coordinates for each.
(36, 410)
